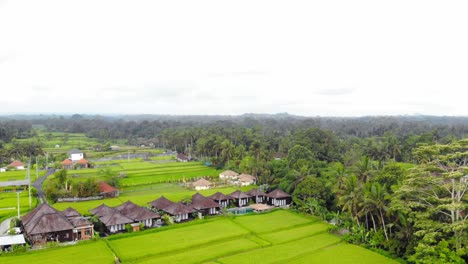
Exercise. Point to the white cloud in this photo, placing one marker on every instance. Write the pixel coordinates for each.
(217, 57)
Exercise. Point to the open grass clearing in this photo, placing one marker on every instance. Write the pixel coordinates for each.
(295, 233)
(178, 239)
(205, 253)
(89, 252)
(343, 254)
(283, 252)
(273, 221)
(9, 203)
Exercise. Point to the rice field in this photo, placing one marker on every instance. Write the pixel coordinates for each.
(9, 203)
(217, 240)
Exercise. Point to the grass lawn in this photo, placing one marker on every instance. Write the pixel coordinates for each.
(295, 233)
(344, 254)
(286, 251)
(178, 239)
(205, 253)
(90, 252)
(273, 221)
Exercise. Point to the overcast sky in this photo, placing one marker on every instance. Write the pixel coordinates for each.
(327, 58)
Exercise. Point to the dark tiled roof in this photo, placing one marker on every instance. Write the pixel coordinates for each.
(70, 212)
(256, 192)
(203, 203)
(115, 218)
(219, 196)
(238, 195)
(197, 196)
(161, 203)
(178, 208)
(278, 193)
(102, 210)
(135, 212)
(79, 221)
(45, 219)
(75, 151)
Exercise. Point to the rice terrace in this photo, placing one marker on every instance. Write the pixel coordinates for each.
(288, 238)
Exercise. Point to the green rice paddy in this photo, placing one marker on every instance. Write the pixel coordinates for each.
(216, 240)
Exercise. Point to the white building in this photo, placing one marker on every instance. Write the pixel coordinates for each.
(76, 154)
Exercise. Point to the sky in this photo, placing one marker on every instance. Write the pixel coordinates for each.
(312, 58)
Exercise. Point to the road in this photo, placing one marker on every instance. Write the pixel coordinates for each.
(38, 185)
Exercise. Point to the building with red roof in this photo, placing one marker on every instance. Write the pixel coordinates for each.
(18, 165)
(107, 190)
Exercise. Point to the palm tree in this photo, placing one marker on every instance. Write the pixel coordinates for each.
(376, 199)
(352, 196)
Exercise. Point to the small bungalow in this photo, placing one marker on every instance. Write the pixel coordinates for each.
(246, 179)
(182, 157)
(179, 211)
(204, 205)
(161, 203)
(111, 218)
(3, 169)
(278, 198)
(114, 148)
(229, 175)
(202, 184)
(139, 214)
(108, 191)
(44, 224)
(17, 165)
(115, 221)
(240, 198)
(221, 199)
(258, 196)
(69, 164)
(83, 163)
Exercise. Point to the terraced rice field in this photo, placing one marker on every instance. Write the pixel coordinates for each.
(18, 175)
(218, 240)
(9, 202)
(140, 172)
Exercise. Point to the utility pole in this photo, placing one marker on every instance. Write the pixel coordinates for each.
(47, 160)
(37, 169)
(29, 181)
(128, 155)
(17, 195)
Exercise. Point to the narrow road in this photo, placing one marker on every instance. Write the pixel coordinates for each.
(38, 185)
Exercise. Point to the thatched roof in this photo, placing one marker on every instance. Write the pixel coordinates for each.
(45, 219)
(161, 203)
(70, 212)
(102, 210)
(219, 196)
(229, 173)
(115, 218)
(256, 192)
(239, 195)
(246, 178)
(278, 193)
(178, 208)
(202, 182)
(201, 202)
(135, 212)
